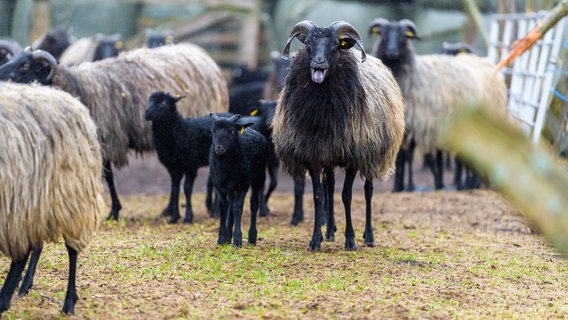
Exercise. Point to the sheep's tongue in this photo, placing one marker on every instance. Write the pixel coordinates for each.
(318, 75)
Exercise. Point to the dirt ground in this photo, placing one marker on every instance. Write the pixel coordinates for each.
(146, 175)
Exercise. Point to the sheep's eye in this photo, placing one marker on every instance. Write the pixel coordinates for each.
(24, 67)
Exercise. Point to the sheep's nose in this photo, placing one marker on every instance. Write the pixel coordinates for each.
(219, 150)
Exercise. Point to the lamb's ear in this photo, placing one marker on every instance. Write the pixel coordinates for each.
(235, 118)
(244, 125)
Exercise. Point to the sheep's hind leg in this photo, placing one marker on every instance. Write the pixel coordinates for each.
(29, 276)
(223, 237)
(11, 282)
(109, 178)
(315, 243)
(71, 295)
(298, 214)
(211, 203)
(255, 200)
(347, 196)
(368, 236)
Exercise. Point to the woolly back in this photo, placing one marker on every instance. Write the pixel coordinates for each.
(440, 83)
(50, 168)
(354, 118)
(116, 91)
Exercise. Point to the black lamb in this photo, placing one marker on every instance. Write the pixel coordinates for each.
(237, 161)
(182, 146)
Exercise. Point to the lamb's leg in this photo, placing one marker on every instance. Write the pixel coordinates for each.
(255, 200)
(223, 237)
(315, 243)
(211, 203)
(115, 203)
(409, 161)
(329, 186)
(298, 214)
(440, 166)
(29, 276)
(11, 282)
(346, 196)
(230, 218)
(188, 189)
(237, 204)
(173, 204)
(71, 295)
(368, 236)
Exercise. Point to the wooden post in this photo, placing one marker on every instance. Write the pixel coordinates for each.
(40, 19)
(525, 174)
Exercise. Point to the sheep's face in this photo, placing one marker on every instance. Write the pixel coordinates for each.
(395, 38)
(225, 133)
(108, 47)
(23, 68)
(161, 106)
(323, 45)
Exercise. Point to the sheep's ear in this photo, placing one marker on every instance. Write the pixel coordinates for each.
(214, 116)
(234, 118)
(410, 27)
(178, 98)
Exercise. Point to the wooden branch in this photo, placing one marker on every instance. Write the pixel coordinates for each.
(525, 174)
(522, 45)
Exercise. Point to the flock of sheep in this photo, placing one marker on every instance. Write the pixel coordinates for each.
(64, 124)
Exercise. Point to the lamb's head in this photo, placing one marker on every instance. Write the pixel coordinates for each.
(161, 106)
(28, 66)
(323, 45)
(394, 38)
(225, 132)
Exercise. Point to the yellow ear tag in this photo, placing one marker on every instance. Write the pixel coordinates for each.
(409, 34)
(119, 45)
(254, 112)
(169, 39)
(242, 130)
(343, 43)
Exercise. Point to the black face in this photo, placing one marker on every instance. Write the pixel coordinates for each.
(224, 135)
(22, 68)
(160, 105)
(394, 41)
(107, 49)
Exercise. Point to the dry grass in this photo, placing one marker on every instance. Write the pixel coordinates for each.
(464, 255)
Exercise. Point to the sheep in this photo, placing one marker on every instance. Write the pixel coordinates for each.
(182, 146)
(237, 162)
(337, 110)
(51, 186)
(115, 90)
(94, 48)
(432, 86)
(8, 48)
(55, 41)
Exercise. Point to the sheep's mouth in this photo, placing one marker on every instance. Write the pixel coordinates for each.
(318, 74)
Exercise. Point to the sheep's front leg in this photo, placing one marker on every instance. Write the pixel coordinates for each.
(71, 295)
(29, 276)
(237, 206)
(223, 237)
(399, 171)
(410, 159)
(346, 196)
(11, 282)
(188, 189)
(315, 243)
(298, 214)
(173, 204)
(329, 216)
(109, 178)
(368, 236)
(211, 204)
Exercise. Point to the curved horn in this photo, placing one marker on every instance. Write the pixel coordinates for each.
(343, 28)
(301, 29)
(377, 23)
(9, 46)
(44, 55)
(409, 25)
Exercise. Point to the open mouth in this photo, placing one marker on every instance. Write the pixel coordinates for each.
(318, 74)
